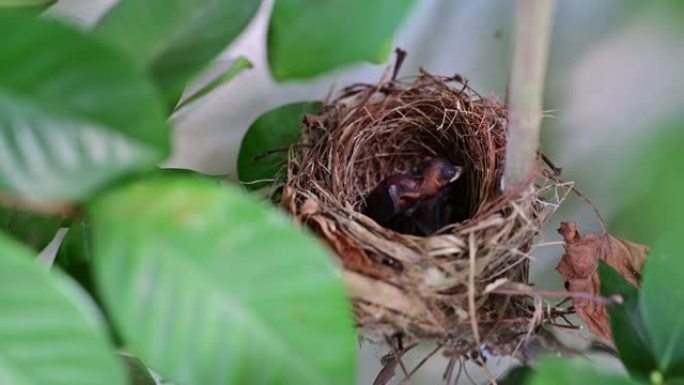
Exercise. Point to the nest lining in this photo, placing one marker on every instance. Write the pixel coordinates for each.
(421, 287)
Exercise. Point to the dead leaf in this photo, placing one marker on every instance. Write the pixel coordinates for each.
(353, 257)
(579, 269)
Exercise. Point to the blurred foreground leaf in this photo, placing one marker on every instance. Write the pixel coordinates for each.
(74, 114)
(309, 37)
(627, 324)
(50, 333)
(572, 371)
(25, 3)
(263, 151)
(208, 286)
(35, 6)
(662, 304)
(175, 39)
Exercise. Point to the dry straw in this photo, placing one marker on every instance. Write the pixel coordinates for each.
(441, 287)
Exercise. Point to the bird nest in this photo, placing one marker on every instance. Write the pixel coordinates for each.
(440, 287)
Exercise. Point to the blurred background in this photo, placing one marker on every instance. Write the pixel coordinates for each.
(612, 89)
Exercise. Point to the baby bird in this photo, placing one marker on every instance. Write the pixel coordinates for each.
(391, 197)
(437, 175)
(444, 208)
(397, 198)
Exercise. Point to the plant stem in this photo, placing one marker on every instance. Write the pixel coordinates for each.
(531, 43)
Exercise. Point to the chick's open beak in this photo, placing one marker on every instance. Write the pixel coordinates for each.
(457, 173)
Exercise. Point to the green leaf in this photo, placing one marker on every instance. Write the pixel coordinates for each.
(309, 37)
(26, 5)
(574, 371)
(627, 324)
(263, 151)
(240, 64)
(75, 258)
(50, 333)
(383, 53)
(175, 39)
(662, 303)
(74, 114)
(208, 286)
(183, 172)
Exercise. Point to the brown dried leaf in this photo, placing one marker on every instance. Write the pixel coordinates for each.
(353, 257)
(579, 269)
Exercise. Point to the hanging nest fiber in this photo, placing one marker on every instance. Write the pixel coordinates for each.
(439, 287)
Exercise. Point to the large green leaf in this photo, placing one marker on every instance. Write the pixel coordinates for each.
(263, 151)
(74, 114)
(209, 286)
(175, 39)
(26, 5)
(50, 333)
(309, 37)
(573, 371)
(627, 324)
(662, 303)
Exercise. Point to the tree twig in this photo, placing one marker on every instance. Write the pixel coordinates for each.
(531, 43)
(613, 299)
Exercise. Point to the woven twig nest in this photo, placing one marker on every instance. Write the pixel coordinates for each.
(434, 287)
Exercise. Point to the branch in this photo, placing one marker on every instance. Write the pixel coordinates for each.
(531, 43)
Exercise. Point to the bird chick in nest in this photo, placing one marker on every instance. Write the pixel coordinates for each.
(416, 204)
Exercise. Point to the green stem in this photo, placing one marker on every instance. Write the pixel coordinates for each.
(531, 43)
